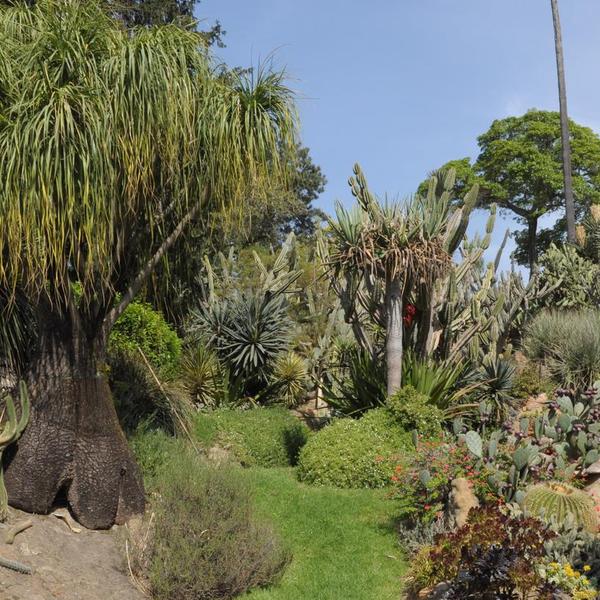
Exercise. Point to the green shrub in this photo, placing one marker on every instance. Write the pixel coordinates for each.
(142, 326)
(531, 382)
(206, 542)
(265, 437)
(414, 411)
(153, 449)
(382, 422)
(348, 454)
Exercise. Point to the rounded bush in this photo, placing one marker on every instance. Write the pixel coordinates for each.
(264, 437)
(142, 326)
(348, 454)
(207, 543)
(414, 411)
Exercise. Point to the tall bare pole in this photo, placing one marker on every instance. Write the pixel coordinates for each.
(564, 125)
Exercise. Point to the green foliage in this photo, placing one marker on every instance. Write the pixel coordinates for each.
(490, 557)
(140, 326)
(12, 428)
(530, 381)
(266, 437)
(268, 221)
(519, 167)
(568, 344)
(574, 279)
(203, 377)
(414, 411)
(105, 191)
(206, 543)
(359, 385)
(290, 379)
(348, 454)
(557, 500)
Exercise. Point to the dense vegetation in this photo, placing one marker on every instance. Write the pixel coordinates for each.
(309, 402)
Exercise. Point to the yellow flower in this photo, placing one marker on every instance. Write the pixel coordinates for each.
(587, 568)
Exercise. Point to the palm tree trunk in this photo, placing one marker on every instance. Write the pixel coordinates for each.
(564, 125)
(531, 243)
(394, 331)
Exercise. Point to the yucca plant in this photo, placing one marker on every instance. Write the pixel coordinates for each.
(203, 377)
(249, 329)
(289, 379)
(443, 382)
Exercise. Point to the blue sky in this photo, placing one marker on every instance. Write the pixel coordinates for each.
(401, 86)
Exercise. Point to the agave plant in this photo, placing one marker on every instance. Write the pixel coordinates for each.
(249, 329)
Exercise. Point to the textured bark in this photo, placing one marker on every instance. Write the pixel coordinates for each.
(394, 331)
(531, 243)
(73, 446)
(564, 125)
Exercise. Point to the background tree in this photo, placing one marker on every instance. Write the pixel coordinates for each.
(564, 125)
(111, 143)
(519, 167)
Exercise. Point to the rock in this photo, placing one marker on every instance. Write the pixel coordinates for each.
(462, 500)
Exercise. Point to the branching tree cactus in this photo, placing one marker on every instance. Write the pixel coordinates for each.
(12, 428)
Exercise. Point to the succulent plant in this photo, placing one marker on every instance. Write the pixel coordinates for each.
(558, 500)
(10, 432)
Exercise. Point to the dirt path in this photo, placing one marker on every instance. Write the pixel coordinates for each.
(66, 565)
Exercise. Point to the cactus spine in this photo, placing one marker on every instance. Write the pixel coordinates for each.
(558, 500)
(11, 431)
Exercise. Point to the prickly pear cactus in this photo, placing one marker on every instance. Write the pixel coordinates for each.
(558, 500)
(11, 429)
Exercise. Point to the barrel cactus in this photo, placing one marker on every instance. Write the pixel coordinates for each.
(557, 500)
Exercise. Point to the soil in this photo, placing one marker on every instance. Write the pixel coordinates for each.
(67, 566)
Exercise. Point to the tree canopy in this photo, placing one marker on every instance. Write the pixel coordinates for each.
(519, 168)
(108, 140)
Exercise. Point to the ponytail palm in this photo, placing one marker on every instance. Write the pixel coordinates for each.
(111, 143)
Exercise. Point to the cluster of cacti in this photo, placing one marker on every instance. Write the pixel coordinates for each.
(12, 428)
(571, 429)
(558, 500)
(525, 459)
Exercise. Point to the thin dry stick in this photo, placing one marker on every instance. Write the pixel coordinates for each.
(182, 423)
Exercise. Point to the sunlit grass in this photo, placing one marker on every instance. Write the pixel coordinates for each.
(343, 543)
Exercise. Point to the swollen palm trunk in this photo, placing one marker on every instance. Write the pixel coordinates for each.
(73, 447)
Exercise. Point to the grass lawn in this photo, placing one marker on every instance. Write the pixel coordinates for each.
(343, 544)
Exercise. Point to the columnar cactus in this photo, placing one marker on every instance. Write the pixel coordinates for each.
(558, 500)
(12, 428)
